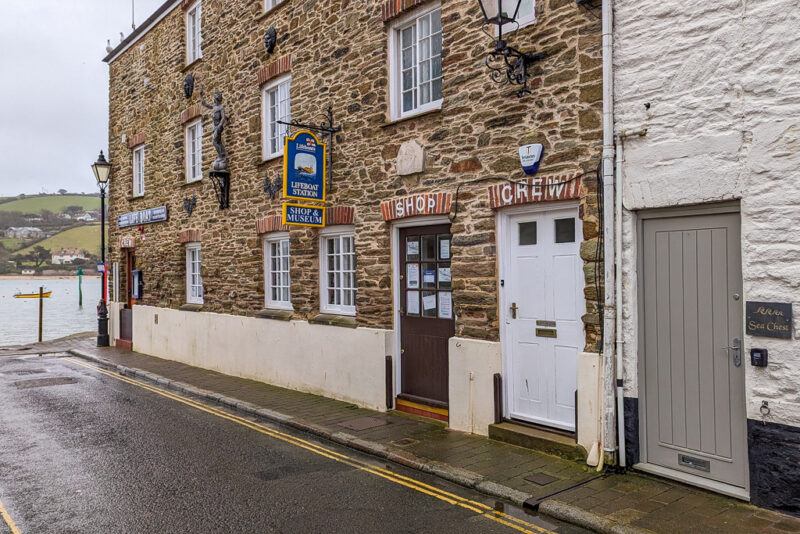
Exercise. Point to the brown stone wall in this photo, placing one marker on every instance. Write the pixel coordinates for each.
(338, 57)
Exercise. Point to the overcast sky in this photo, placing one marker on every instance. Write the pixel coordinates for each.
(54, 89)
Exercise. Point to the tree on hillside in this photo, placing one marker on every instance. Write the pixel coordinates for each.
(39, 256)
(73, 210)
(62, 191)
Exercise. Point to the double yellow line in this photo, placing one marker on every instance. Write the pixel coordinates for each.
(478, 508)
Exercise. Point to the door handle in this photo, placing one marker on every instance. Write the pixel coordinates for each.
(737, 351)
(514, 309)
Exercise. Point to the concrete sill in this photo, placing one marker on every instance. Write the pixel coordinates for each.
(137, 197)
(411, 117)
(193, 64)
(193, 182)
(334, 320)
(271, 11)
(191, 307)
(278, 315)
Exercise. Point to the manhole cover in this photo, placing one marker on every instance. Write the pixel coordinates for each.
(405, 442)
(542, 479)
(363, 423)
(42, 382)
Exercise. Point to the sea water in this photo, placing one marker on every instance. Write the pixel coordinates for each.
(19, 318)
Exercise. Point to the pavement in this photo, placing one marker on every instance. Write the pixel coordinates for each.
(631, 502)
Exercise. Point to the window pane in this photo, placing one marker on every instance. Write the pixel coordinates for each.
(408, 101)
(437, 89)
(412, 249)
(407, 37)
(429, 303)
(436, 20)
(527, 233)
(429, 247)
(429, 275)
(565, 230)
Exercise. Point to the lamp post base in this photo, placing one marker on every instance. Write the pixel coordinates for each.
(102, 325)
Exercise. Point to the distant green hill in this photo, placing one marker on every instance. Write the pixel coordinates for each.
(54, 203)
(83, 237)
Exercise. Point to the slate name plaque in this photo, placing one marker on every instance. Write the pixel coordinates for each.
(769, 319)
(135, 218)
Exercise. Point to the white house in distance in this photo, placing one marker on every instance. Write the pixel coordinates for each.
(63, 256)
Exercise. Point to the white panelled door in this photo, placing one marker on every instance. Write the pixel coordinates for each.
(543, 303)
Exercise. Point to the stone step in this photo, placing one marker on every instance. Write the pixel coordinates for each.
(537, 439)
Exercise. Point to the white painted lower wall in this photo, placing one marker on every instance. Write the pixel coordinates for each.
(113, 320)
(473, 364)
(590, 367)
(341, 363)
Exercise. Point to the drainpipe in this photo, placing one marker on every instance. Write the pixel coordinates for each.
(620, 346)
(609, 305)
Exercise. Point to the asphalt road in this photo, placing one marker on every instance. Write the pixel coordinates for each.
(83, 451)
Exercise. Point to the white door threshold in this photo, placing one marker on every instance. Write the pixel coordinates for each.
(694, 480)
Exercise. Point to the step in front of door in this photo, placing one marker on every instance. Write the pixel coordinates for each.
(424, 410)
(539, 440)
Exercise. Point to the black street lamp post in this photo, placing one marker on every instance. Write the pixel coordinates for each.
(102, 169)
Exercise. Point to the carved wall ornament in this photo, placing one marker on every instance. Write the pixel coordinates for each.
(270, 39)
(188, 86)
(189, 204)
(271, 187)
(410, 158)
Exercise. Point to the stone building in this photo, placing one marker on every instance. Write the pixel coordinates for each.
(438, 251)
(710, 245)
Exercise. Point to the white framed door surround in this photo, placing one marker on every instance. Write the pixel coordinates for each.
(559, 410)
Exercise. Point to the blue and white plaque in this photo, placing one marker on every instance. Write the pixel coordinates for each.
(300, 215)
(530, 156)
(304, 167)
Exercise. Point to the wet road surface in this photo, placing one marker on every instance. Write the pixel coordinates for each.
(83, 451)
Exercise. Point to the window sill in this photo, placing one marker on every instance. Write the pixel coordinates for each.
(135, 197)
(268, 159)
(271, 11)
(191, 307)
(193, 182)
(278, 315)
(193, 64)
(329, 319)
(411, 117)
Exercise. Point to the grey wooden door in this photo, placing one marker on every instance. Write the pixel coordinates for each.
(694, 405)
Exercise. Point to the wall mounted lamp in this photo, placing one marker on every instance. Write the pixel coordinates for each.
(506, 64)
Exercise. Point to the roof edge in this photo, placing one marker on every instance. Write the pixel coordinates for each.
(144, 28)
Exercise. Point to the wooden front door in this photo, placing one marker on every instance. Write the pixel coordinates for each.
(427, 321)
(543, 292)
(694, 405)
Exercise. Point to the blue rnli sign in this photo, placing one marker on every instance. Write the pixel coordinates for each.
(300, 215)
(135, 218)
(304, 167)
(530, 156)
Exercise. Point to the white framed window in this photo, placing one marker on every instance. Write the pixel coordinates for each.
(276, 271)
(194, 281)
(415, 57)
(138, 171)
(269, 4)
(194, 151)
(525, 16)
(276, 106)
(338, 270)
(194, 16)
